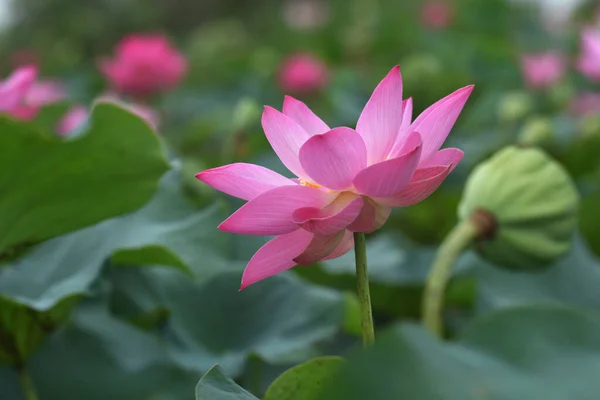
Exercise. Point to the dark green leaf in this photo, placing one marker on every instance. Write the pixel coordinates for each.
(534, 353)
(280, 319)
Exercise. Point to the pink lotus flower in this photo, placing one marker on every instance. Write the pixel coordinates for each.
(436, 14)
(73, 120)
(589, 59)
(14, 89)
(144, 65)
(348, 179)
(21, 96)
(303, 73)
(542, 70)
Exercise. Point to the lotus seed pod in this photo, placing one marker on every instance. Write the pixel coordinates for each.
(526, 204)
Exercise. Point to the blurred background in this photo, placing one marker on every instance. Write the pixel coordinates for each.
(140, 330)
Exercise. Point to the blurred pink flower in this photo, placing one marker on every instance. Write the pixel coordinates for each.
(144, 65)
(541, 70)
(21, 96)
(586, 104)
(14, 89)
(436, 14)
(589, 59)
(74, 119)
(348, 180)
(303, 73)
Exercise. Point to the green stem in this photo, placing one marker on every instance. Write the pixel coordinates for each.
(27, 384)
(452, 246)
(362, 285)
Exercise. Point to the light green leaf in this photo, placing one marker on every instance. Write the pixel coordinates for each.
(51, 186)
(214, 385)
(166, 231)
(305, 381)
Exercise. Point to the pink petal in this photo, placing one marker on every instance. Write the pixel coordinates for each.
(331, 219)
(334, 158)
(319, 248)
(14, 89)
(286, 138)
(407, 109)
(245, 181)
(345, 246)
(389, 177)
(380, 120)
(300, 113)
(444, 157)
(270, 213)
(275, 256)
(435, 123)
(424, 183)
(371, 218)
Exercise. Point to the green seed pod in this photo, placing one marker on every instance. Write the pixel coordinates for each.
(526, 206)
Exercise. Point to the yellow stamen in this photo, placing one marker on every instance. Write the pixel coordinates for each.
(312, 185)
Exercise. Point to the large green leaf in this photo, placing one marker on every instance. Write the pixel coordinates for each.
(98, 357)
(280, 319)
(544, 352)
(304, 381)
(574, 280)
(214, 385)
(166, 231)
(51, 186)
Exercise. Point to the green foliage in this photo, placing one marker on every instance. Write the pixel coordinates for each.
(539, 352)
(305, 381)
(216, 386)
(59, 186)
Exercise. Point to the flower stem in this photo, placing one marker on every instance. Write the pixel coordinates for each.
(452, 246)
(362, 286)
(27, 386)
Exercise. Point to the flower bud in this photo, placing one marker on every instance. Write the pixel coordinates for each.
(514, 106)
(246, 113)
(525, 204)
(537, 130)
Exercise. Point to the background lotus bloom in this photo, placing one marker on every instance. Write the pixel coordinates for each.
(303, 73)
(14, 89)
(543, 69)
(436, 14)
(586, 104)
(22, 97)
(589, 59)
(144, 65)
(74, 119)
(348, 179)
